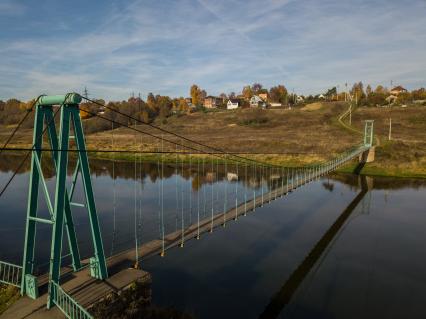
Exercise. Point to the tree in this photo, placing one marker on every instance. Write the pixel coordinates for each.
(404, 97)
(183, 106)
(358, 92)
(368, 90)
(331, 92)
(376, 98)
(380, 89)
(247, 92)
(278, 94)
(151, 102)
(419, 94)
(197, 95)
(256, 87)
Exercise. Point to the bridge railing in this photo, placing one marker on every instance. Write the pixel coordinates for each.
(67, 304)
(10, 274)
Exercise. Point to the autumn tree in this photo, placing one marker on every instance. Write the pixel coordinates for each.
(278, 94)
(358, 92)
(380, 89)
(419, 94)
(150, 101)
(247, 92)
(197, 95)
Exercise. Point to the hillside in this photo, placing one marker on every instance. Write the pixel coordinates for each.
(305, 135)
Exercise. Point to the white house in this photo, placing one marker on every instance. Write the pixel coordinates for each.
(256, 101)
(232, 104)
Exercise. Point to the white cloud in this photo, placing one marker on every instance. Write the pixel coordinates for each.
(222, 45)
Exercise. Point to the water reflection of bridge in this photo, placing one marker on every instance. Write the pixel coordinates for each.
(282, 298)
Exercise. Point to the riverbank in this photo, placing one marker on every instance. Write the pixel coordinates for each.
(297, 137)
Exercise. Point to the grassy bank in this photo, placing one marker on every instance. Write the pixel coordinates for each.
(8, 295)
(301, 136)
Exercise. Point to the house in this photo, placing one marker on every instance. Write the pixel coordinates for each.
(300, 99)
(212, 102)
(188, 101)
(391, 99)
(321, 96)
(257, 101)
(263, 96)
(101, 110)
(232, 104)
(397, 90)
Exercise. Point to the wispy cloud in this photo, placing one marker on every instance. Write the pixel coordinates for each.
(165, 46)
(11, 8)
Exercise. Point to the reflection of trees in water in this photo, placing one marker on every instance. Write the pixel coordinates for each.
(380, 183)
(153, 170)
(199, 177)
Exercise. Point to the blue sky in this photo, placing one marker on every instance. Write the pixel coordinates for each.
(163, 46)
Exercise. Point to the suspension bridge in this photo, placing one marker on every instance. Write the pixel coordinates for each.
(70, 289)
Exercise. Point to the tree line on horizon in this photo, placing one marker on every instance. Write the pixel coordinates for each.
(162, 106)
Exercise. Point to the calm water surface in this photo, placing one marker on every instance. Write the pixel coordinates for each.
(365, 244)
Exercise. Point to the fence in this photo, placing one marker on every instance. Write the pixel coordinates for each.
(67, 304)
(10, 274)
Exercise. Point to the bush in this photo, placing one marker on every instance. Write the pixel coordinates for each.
(254, 117)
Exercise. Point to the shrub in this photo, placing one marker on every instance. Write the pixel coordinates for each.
(254, 117)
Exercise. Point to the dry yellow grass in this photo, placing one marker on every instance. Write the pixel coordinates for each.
(287, 136)
(313, 106)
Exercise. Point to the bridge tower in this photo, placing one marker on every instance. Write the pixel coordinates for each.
(369, 154)
(368, 133)
(60, 209)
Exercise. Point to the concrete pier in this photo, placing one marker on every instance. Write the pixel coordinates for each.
(368, 156)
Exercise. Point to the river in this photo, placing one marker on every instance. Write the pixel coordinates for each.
(340, 247)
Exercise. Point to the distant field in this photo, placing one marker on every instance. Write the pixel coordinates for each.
(305, 135)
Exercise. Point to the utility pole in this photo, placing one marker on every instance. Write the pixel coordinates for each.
(85, 93)
(390, 128)
(346, 92)
(350, 113)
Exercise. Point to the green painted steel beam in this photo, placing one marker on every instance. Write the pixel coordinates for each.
(70, 98)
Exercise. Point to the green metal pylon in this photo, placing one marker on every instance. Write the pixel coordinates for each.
(368, 133)
(60, 212)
